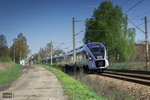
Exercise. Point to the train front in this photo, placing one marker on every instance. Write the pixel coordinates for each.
(97, 56)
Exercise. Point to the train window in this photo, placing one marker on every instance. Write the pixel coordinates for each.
(97, 52)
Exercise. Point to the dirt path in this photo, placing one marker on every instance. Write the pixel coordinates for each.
(36, 83)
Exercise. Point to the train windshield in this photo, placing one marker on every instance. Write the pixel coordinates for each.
(98, 52)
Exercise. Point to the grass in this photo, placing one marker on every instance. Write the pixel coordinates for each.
(127, 66)
(5, 59)
(10, 74)
(108, 90)
(73, 88)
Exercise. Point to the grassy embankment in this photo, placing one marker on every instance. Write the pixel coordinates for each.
(104, 89)
(127, 66)
(10, 74)
(73, 88)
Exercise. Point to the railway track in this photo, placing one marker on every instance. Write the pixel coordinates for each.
(140, 77)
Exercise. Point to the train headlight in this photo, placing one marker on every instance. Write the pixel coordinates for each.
(90, 58)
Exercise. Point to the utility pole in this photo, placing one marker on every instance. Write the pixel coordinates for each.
(51, 53)
(14, 53)
(146, 41)
(73, 38)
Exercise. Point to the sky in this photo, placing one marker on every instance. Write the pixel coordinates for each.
(43, 21)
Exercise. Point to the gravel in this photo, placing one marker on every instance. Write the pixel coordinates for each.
(141, 92)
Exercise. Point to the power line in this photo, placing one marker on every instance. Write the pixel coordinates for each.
(124, 3)
(133, 6)
(130, 19)
(136, 25)
(79, 32)
(79, 36)
(143, 23)
(84, 29)
(148, 12)
(140, 24)
(80, 43)
(59, 45)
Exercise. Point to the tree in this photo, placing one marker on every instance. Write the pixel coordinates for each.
(110, 26)
(4, 50)
(48, 48)
(42, 53)
(46, 52)
(21, 48)
(3, 41)
(58, 51)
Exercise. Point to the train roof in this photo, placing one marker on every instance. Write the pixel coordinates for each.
(77, 51)
(95, 43)
(80, 49)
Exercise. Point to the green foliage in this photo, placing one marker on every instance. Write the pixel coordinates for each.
(5, 59)
(58, 51)
(74, 89)
(46, 52)
(4, 50)
(109, 26)
(3, 41)
(20, 47)
(10, 74)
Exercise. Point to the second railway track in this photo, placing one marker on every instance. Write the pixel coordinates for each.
(140, 77)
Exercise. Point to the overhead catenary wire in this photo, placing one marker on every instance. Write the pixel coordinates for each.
(124, 3)
(148, 12)
(87, 26)
(79, 36)
(59, 45)
(136, 26)
(143, 23)
(139, 2)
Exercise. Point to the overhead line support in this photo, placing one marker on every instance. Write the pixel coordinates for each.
(146, 42)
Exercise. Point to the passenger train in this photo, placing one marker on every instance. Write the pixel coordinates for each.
(91, 56)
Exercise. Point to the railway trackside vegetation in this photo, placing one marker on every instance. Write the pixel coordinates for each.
(10, 74)
(127, 66)
(73, 88)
